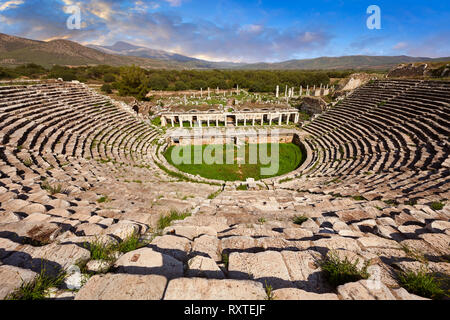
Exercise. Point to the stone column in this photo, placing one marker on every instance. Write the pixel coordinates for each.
(173, 124)
(208, 123)
(217, 121)
(163, 121)
(301, 91)
(245, 121)
(280, 120)
(253, 121)
(278, 92)
(270, 119)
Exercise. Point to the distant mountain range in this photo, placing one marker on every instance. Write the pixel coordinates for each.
(127, 49)
(341, 63)
(17, 51)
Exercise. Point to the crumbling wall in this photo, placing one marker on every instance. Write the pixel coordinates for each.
(409, 70)
(313, 105)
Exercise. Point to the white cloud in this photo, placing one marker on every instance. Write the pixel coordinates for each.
(10, 4)
(400, 46)
(102, 9)
(174, 3)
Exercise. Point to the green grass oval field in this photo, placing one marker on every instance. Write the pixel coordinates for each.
(290, 158)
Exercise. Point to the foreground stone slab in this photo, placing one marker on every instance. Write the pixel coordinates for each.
(208, 246)
(42, 232)
(12, 278)
(174, 246)
(364, 290)
(8, 247)
(190, 232)
(146, 261)
(377, 242)
(265, 267)
(297, 294)
(217, 223)
(203, 267)
(52, 257)
(440, 242)
(123, 287)
(335, 243)
(212, 289)
(123, 229)
(8, 217)
(402, 294)
(304, 271)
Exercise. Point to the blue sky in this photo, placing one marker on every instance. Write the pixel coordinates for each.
(244, 31)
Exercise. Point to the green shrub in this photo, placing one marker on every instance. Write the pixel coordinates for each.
(225, 259)
(214, 195)
(300, 219)
(411, 202)
(104, 199)
(131, 243)
(38, 289)
(339, 272)
(106, 88)
(100, 250)
(109, 77)
(242, 187)
(437, 206)
(55, 189)
(28, 162)
(269, 291)
(422, 283)
(166, 221)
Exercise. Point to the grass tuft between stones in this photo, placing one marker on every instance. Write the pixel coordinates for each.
(341, 271)
(299, 220)
(37, 289)
(166, 221)
(423, 283)
(107, 252)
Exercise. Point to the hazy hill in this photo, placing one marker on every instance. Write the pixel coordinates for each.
(339, 63)
(16, 51)
(127, 49)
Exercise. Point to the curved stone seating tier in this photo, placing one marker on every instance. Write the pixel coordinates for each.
(385, 127)
(386, 141)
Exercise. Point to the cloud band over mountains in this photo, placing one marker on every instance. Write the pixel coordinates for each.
(163, 24)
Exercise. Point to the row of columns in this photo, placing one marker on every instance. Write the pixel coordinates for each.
(271, 116)
(290, 92)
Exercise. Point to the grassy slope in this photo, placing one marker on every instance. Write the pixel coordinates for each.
(290, 159)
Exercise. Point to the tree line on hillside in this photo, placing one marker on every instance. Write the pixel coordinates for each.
(137, 82)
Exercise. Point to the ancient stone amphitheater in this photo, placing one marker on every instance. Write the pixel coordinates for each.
(78, 168)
